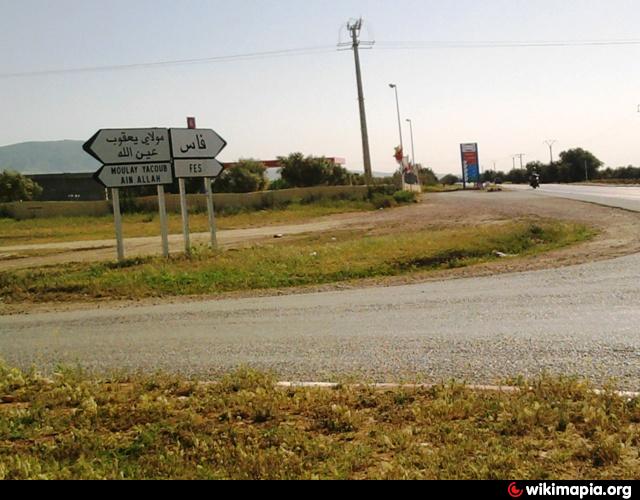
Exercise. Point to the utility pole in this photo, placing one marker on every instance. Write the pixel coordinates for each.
(514, 161)
(586, 171)
(355, 27)
(550, 143)
(521, 156)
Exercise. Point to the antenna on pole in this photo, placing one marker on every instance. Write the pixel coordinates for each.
(521, 156)
(355, 27)
(551, 143)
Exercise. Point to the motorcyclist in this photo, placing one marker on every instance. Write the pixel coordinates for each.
(534, 180)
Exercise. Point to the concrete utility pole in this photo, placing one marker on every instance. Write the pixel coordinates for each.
(521, 156)
(550, 143)
(586, 171)
(355, 27)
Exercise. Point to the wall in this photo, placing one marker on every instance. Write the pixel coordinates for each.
(252, 201)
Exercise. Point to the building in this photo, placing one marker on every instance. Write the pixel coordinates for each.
(69, 187)
(83, 187)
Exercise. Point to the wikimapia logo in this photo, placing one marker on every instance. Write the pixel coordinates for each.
(514, 492)
(582, 491)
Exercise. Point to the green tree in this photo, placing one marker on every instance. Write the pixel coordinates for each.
(16, 187)
(300, 171)
(247, 176)
(427, 176)
(576, 163)
(449, 180)
(339, 176)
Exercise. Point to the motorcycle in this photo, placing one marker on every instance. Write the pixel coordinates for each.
(535, 182)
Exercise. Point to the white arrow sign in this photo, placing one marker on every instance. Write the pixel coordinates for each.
(151, 174)
(130, 146)
(198, 168)
(196, 143)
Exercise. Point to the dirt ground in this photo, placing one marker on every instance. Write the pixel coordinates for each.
(619, 234)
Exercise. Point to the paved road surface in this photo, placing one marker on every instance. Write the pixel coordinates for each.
(612, 196)
(577, 320)
(581, 320)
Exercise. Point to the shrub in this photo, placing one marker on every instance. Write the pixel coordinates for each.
(449, 180)
(403, 197)
(301, 171)
(248, 176)
(383, 201)
(279, 185)
(16, 187)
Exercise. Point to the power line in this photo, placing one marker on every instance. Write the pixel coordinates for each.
(178, 62)
(453, 44)
(389, 45)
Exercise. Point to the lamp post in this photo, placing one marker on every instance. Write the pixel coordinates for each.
(413, 151)
(395, 87)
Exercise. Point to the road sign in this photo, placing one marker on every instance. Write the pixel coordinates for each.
(198, 168)
(196, 143)
(470, 162)
(120, 176)
(130, 146)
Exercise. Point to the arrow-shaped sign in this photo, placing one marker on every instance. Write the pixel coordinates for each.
(119, 176)
(198, 168)
(196, 143)
(130, 146)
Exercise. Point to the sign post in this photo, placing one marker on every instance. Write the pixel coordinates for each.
(149, 157)
(164, 228)
(117, 217)
(184, 209)
(131, 158)
(194, 152)
(470, 164)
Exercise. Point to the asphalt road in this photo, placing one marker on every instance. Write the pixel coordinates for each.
(624, 197)
(580, 320)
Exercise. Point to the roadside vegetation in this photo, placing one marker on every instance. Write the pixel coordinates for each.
(289, 262)
(62, 229)
(142, 219)
(442, 188)
(17, 187)
(76, 426)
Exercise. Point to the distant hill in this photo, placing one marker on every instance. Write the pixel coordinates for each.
(47, 158)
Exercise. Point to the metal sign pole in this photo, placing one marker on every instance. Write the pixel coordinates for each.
(117, 216)
(164, 229)
(212, 214)
(185, 216)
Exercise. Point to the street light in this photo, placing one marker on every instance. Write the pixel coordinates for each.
(395, 87)
(413, 151)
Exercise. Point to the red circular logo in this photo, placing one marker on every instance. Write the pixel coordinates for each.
(514, 492)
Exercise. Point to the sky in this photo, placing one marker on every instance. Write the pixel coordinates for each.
(508, 100)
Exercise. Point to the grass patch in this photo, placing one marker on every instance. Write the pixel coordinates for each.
(441, 189)
(62, 229)
(313, 260)
(74, 426)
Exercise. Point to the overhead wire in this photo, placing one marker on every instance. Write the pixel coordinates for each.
(380, 45)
